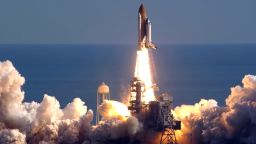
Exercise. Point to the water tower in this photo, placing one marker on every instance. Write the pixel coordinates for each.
(102, 95)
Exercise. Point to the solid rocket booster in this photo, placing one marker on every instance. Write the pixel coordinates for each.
(144, 30)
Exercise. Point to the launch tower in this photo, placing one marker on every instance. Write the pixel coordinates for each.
(154, 113)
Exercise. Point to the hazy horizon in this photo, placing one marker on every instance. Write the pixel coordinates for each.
(115, 22)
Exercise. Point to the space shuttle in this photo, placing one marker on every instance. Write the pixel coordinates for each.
(144, 30)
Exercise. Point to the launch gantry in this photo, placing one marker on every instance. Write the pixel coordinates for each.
(155, 115)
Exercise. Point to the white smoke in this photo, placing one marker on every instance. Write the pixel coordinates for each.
(206, 122)
(74, 110)
(49, 110)
(12, 112)
(12, 136)
(46, 123)
(116, 124)
(110, 109)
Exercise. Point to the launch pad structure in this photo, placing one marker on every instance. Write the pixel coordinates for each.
(155, 114)
(153, 111)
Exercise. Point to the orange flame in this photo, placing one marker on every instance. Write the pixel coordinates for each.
(142, 72)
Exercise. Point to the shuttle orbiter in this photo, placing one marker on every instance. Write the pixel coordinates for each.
(144, 30)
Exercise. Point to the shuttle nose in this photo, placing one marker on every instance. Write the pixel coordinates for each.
(142, 10)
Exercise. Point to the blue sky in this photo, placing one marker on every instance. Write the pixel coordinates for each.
(115, 22)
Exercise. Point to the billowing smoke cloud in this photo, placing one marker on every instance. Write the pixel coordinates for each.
(117, 126)
(206, 122)
(47, 123)
(12, 112)
(110, 109)
(12, 136)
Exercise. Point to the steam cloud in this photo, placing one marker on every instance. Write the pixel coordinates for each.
(206, 122)
(47, 123)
